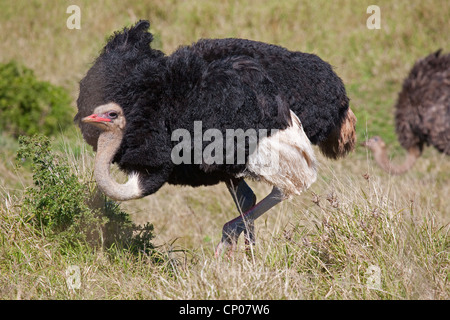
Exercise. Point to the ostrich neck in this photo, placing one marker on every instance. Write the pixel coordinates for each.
(382, 159)
(108, 144)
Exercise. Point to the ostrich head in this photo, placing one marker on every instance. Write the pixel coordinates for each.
(108, 117)
(375, 144)
(378, 148)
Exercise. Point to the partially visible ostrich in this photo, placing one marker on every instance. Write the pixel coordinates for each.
(422, 115)
(134, 98)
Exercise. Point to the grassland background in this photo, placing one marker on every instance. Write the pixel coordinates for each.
(288, 263)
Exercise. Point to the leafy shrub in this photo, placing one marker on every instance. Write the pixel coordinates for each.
(63, 207)
(29, 106)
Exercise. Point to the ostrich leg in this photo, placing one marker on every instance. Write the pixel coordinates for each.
(245, 221)
(245, 199)
(242, 194)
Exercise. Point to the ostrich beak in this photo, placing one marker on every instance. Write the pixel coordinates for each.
(94, 118)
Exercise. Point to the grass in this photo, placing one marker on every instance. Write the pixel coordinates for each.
(320, 245)
(323, 244)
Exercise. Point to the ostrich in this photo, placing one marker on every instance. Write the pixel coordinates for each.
(422, 113)
(134, 98)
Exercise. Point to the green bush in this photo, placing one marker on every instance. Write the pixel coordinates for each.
(29, 106)
(64, 207)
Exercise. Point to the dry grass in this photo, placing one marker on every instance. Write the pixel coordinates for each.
(320, 245)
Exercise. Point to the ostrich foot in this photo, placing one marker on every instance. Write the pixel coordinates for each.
(230, 235)
(245, 222)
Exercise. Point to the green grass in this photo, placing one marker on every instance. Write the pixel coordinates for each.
(320, 245)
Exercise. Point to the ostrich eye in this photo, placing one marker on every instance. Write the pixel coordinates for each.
(112, 114)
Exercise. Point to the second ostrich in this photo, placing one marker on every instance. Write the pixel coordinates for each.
(134, 99)
(422, 113)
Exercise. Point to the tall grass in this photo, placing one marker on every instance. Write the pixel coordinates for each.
(356, 234)
(351, 237)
